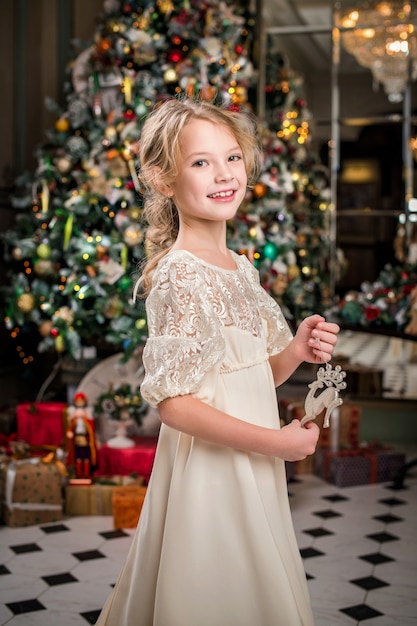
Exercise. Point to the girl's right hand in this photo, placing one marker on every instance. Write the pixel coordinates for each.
(296, 441)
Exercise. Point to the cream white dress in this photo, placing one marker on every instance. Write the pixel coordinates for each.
(215, 544)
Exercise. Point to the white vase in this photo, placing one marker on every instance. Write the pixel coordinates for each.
(120, 439)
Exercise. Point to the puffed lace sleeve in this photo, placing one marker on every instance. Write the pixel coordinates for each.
(279, 334)
(185, 340)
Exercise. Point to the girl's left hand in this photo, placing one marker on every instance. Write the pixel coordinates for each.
(316, 339)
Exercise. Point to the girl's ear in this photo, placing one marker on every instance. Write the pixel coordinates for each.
(159, 184)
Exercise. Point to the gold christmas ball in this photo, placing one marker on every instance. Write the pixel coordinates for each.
(165, 6)
(62, 125)
(17, 254)
(127, 153)
(63, 165)
(45, 328)
(110, 133)
(170, 75)
(260, 190)
(134, 213)
(133, 235)
(44, 251)
(26, 302)
(59, 343)
(43, 267)
(293, 271)
(240, 95)
(140, 323)
(113, 308)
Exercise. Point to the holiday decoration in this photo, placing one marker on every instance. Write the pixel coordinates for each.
(324, 394)
(388, 304)
(345, 423)
(123, 405)
(363, 466)
(81, 447)
(42, 423)
(30, 492)
(284, 224)
(125, 461)
(78, 240)
(127, 506)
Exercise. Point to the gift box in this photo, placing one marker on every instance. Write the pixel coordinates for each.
(127, 506)
(96, 498)
(88, 499)
(124, 461)
(42, 423)
(30, 492)
(363, 466)
(344, 423)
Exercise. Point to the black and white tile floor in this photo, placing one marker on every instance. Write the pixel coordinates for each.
(359, 546)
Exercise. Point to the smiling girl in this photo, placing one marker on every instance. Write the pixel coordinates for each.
(215, 544)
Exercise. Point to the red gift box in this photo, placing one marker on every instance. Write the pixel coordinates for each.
(42, 423)
(363, 466)
(125, 461)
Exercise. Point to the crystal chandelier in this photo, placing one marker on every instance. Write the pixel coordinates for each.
(382, 36)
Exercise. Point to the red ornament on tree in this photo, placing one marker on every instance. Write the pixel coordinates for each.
(175, 56)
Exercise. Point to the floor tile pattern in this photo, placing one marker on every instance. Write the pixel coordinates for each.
(359, 546)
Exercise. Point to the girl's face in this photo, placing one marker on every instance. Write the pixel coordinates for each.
(212, 180)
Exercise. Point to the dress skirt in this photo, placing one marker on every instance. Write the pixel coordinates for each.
(215, 544)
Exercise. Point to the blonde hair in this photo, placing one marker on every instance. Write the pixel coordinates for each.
(160, 162)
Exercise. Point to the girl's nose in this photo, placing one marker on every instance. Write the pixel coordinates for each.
(223, 175)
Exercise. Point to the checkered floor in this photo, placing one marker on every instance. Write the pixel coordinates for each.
(359, 547)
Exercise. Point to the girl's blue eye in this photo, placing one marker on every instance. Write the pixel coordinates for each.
(200, 163)
(235, 157)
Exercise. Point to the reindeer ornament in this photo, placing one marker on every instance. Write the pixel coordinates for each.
(328, 384)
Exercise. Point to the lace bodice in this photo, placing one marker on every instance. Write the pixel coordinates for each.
(188, 309)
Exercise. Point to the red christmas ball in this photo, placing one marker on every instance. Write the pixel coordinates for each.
(175, 56)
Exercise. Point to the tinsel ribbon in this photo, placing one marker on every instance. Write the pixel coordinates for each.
(45, 197)
(127, 86)
(68, 230)
(124, 257)
(134, 175)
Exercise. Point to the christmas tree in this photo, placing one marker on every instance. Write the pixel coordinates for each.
(284, 227)
(74, 251)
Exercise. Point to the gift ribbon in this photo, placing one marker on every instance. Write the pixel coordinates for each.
(50, 459)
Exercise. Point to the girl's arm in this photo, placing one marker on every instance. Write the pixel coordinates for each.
(314, 342)
(198, 419)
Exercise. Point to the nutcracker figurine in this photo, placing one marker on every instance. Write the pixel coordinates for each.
(81, 447)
